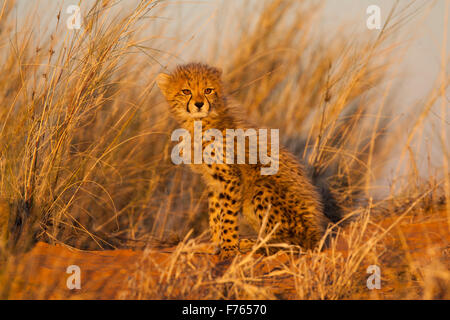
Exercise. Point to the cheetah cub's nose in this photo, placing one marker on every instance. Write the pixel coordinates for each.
(199, 104)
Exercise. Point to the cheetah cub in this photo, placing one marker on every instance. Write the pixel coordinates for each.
(286, 200)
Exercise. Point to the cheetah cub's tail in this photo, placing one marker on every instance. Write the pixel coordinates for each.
(333, 202)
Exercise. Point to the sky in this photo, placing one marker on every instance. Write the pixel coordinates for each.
(421, 65)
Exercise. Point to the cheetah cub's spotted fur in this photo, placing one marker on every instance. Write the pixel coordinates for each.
(290, 201)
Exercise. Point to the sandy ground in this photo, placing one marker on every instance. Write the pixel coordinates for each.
(42, 273)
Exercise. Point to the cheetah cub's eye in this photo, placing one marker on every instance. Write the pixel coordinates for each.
(208, 90)
(186, 91)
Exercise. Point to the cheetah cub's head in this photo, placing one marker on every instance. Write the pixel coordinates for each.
(193, 90)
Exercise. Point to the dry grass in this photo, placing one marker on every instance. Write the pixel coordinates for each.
(340, 272)
(85, 148)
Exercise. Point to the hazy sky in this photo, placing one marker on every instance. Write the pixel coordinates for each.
(423, 58)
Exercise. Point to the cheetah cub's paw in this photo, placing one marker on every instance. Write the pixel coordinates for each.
(246, 245)
(227, 253)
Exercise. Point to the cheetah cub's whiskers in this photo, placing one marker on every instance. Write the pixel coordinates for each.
(195, 93)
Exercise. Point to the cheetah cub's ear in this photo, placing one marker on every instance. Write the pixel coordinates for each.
(163, 81)
(217, 72)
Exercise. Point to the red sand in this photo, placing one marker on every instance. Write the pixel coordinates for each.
(104, 274)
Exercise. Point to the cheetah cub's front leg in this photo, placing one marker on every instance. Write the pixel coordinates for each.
(224, 200)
